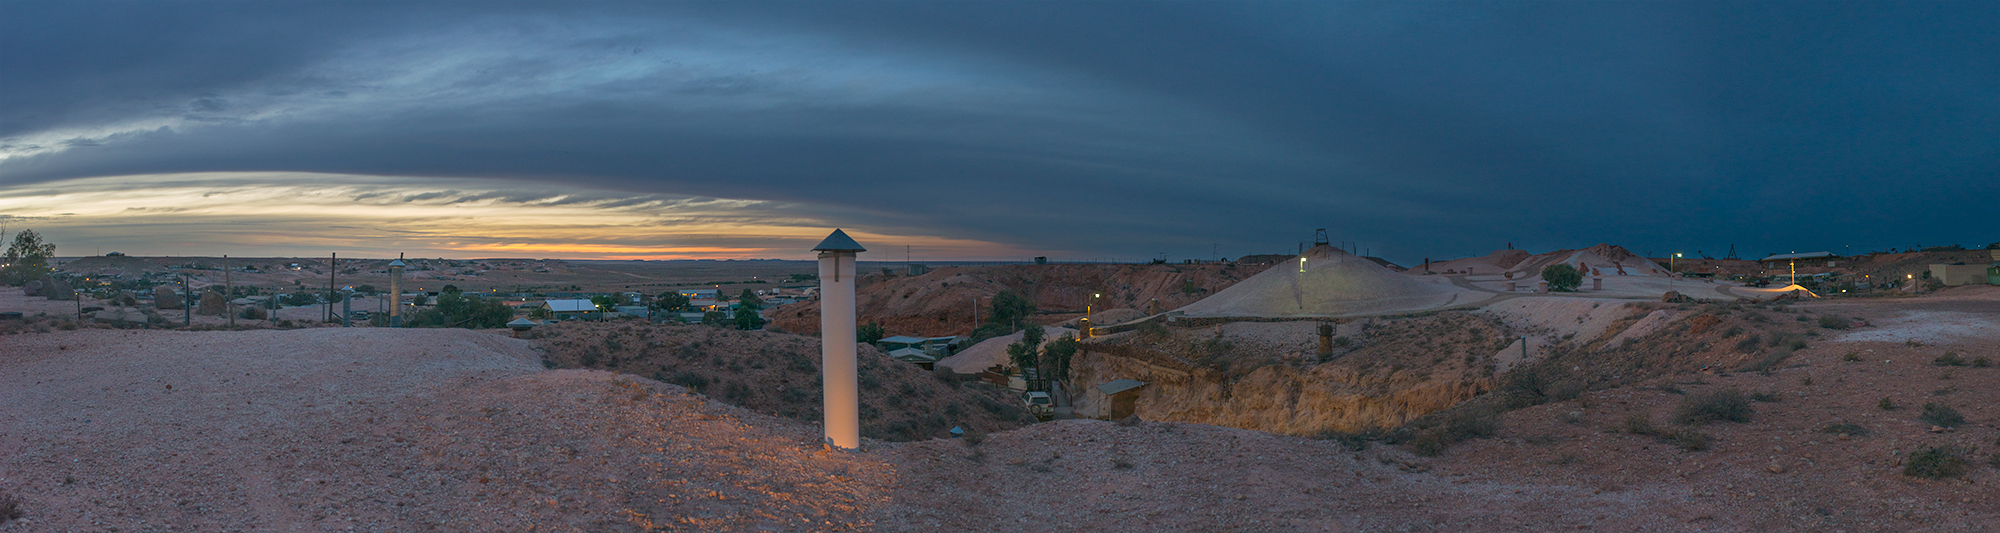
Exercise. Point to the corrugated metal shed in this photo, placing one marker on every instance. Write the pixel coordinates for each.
(1120, 385)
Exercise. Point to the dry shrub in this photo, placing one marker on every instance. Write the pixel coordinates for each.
(1686, 438)
(1941, 462)
(1941, 415)
(1459, 426)
(10, 508)
(1638, 424)
(1768, 362)
(1729, 405)
(1845, 428)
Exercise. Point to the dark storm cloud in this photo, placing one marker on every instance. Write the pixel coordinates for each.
(1107, 128)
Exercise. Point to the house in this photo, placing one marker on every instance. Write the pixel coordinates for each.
(564, 309)
(1960, 274)
(936, 347)
(914, 356)
(699, 294)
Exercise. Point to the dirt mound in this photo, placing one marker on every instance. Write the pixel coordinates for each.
(1332, 283)
(941, 302)
(116, 264)
(1493, 263)
(778, 374)
(994, 351)
(392, 430)
(1600, 260)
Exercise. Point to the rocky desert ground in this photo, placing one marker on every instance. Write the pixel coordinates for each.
(365, 429)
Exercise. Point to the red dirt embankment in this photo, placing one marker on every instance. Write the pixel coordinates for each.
(941, 302)
(779, 374)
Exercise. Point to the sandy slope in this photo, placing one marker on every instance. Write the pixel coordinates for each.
(989, 352)
(385, 430)
(1333, 283)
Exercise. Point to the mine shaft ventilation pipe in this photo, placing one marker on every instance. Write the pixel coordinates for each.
(837, 340)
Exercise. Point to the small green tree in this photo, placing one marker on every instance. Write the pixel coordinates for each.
(458, 310)
(27, 259)
(1562, 277)
(605, 304)
(1056, 358)
(1027, 351)
(715, 318)
(746, 312)
(449, 289)
(670, 301)
(870, 333)
(1011, 310)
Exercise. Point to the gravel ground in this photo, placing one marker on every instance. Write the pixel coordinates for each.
(450, 430)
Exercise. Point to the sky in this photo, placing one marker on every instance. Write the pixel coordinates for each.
(969, 130)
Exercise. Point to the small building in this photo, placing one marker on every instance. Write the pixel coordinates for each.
(937, 347)
(1961, 274)
(1124, 396)
(699, 294)
(564, 309)
(914, 356)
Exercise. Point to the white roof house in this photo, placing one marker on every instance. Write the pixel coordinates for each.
(569, 306)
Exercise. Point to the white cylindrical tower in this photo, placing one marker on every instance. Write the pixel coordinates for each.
(837, 343)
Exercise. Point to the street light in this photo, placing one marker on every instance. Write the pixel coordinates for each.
(1670, 271)
(1086, 313)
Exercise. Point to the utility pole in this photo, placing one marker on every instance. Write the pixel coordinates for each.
(332, 268)
(396, 292)
(187, 309)
(229, 289)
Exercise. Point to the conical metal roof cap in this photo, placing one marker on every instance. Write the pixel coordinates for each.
(839, 242)
(396, 263)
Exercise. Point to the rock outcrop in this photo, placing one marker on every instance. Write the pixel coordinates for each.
(212, 304)
(165, 297)
(48, 287)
